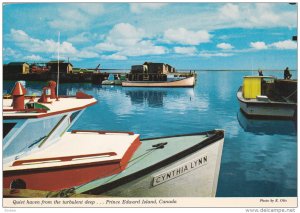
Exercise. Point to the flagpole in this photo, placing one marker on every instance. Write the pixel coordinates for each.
(58, 65)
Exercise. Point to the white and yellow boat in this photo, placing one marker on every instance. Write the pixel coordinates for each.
(266, 97)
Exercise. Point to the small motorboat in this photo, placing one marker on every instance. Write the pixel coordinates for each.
(40, 154)
(114, 79)
(175, 82)
(267, 97)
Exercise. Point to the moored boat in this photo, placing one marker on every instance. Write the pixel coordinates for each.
(114, 79)
(174, 166)
(183, 82)
(260, 97)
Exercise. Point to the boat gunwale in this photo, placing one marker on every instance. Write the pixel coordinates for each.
(42, 115)
(254, 101)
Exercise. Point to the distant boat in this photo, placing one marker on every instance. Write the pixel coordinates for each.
(267, 97)
(114, 80)
(176, 82)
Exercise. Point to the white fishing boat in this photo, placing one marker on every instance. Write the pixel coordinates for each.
(260, 97)
(175, 166)
(39, 153)
(182, 82)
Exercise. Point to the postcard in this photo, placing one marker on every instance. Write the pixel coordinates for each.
(143, 104)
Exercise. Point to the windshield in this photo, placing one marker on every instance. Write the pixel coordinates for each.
(33, 132)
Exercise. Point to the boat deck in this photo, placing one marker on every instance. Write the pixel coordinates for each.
(64, 104)
(77, 148)
(270, 100)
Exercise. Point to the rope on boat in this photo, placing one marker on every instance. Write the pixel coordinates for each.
(71, 191)
(291, 94)
(66, 192)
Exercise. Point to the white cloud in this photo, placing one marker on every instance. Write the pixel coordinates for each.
(185, 50)
(287, 44)
(87, 54)
(114, 57)
(48, 46)
(141, 7)
(281, 45)
(9, 52)
(92, 9)
(107, 46)
(254, 16)
(145, 47)
(125, 34)
(259, 45)
(34, 58)
(208, 55)
(23, 40)
(84, 37)
(225, 46)
(184, 36)
(76, 16)
(230, 11)
(126, 40)
(217, 16)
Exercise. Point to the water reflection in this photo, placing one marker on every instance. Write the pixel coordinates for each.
(259, 156)
(266, 127)
(151, 97)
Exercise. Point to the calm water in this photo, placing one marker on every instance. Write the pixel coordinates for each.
(259, 157)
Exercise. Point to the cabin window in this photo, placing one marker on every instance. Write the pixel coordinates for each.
(30, 136)
(7, 127)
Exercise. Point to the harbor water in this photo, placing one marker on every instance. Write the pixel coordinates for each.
(259, 156)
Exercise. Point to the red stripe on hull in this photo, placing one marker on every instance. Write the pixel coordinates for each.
(129, 153)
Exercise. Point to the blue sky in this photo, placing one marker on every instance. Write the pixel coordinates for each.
(185, 35)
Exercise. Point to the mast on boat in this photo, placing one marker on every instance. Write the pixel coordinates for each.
(58, 65)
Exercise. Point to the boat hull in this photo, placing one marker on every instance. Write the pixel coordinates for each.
(187, 82)
(191, 173)
(199, 180)
(57, 173)
(60, 178)
(175, 166)
(266, 110)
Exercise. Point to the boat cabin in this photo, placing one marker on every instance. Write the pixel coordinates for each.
(269, 88)
(257, 86)
(29, 121)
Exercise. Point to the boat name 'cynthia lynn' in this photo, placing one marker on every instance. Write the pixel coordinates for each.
(180, 170)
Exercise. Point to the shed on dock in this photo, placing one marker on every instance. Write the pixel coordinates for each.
(150, 71)
(64, 67)
(157, 68)
(16, 68)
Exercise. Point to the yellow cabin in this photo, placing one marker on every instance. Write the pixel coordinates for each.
(252, 85)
